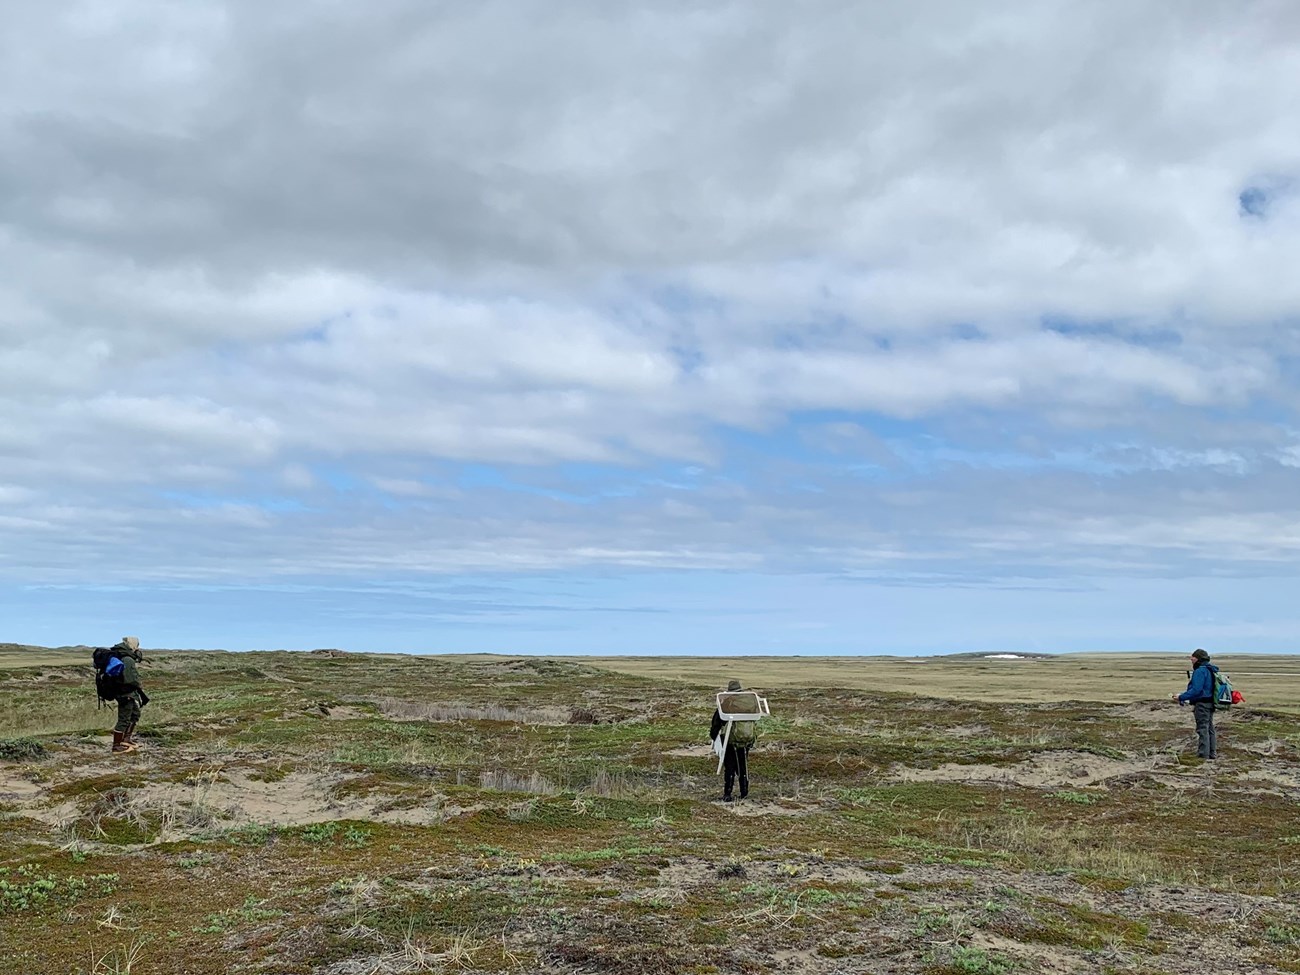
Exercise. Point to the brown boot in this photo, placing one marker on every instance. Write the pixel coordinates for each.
(120, 744)
(129, 737)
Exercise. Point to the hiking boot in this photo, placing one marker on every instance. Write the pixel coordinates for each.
(129, 737)
(727, 797)
(120, 744)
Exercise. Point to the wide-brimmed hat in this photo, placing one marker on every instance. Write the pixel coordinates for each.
(733, 685)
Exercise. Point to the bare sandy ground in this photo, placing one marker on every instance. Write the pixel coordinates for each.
(1048, 770)
(232, 797)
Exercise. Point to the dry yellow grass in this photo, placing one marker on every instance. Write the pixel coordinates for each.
(13, 655)
(1117, 678)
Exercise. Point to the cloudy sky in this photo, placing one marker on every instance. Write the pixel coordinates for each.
(653, 327)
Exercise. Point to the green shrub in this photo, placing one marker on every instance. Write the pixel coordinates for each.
(21, 749)
(27, 888)
(1078, 798)
(319, 832)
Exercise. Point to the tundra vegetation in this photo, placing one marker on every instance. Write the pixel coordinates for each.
(341, 814)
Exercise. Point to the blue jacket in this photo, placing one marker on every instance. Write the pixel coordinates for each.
(1201, 686)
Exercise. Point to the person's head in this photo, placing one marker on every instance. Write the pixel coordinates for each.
(733, 685)
(1199, 657)
(131, 644)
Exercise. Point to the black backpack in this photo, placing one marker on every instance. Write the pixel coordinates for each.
(108, 674)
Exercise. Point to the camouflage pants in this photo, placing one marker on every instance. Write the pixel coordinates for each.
(128, 712)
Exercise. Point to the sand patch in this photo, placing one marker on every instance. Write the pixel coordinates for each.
(1287, 777)
(688, 872)
(758, 807)
(344, 712)
(226, 797)
(803, 961)
(1045, 771)
(58, 816)
(15, 787)
(693, 751)
(300, 798)
(398, 709)
(30, 801)
(1271, 746)
(1046, 961)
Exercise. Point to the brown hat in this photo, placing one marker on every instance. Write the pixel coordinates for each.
(1200, 654)
(733, 685)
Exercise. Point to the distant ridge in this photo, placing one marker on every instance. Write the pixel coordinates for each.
(29, 648)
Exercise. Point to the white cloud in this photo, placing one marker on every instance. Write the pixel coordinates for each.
(402, 487)
(198, 425)
(265, 252)
(297, 477)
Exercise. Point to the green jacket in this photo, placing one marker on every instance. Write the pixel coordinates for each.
(130, 674)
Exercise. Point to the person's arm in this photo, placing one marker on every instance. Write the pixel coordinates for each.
(130, 675)
(1195, 686)
(715, 726)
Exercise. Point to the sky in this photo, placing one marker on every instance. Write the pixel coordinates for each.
(656, 327)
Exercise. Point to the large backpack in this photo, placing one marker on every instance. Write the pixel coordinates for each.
(743, 734)
(1222, 691)
(108, 674)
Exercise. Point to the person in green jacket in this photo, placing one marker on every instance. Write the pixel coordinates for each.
(132, 697)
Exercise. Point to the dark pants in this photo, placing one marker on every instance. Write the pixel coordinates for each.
(735, 760)
(1206, 746)
(128, 712)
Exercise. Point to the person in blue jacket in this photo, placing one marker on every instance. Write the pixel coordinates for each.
(1200, 695)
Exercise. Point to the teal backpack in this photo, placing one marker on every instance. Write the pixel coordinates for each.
(1222, 691)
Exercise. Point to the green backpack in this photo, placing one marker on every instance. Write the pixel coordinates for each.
(743, 734)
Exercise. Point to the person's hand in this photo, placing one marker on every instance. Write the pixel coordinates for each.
(1173, 697)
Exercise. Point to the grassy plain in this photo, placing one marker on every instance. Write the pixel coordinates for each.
(1117, 678)
(349, 814)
